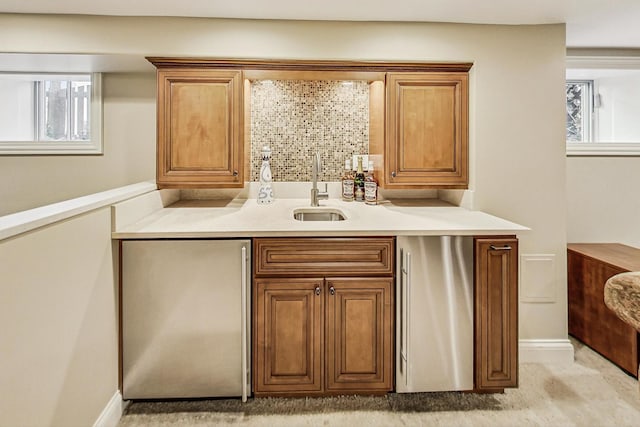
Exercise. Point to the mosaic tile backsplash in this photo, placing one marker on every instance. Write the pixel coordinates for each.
(296, 118)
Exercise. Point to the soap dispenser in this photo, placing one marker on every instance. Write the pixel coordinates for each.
(265, 194)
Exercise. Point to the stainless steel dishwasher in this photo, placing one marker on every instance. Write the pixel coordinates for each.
(185, 318)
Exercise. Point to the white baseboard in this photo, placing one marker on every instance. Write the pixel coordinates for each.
(546, 351)
(111, 414)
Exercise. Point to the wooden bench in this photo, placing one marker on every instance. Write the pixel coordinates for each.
(589, 266)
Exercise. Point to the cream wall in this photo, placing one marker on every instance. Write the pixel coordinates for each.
(603, 201)
(129, 142)
(516, 112)
(59, 346)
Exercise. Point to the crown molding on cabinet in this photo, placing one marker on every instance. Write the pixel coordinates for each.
(311, 65)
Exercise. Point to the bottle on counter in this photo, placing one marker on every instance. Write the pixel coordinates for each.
(359, 182)
(347, 182)
(265, 194)
(370, 186)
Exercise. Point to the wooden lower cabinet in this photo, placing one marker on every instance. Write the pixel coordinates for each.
(289, 335)
(323, 336)
(496, 313)
(321, 333)
(358, 334)
(330, 334)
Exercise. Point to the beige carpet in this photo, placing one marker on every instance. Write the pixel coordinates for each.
(590, 392)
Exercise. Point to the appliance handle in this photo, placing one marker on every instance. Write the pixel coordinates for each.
(243, 293)
(404, 333)
(403, 273)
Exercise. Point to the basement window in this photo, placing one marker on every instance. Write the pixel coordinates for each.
(579, 110)
(50, 113)
(603, 106)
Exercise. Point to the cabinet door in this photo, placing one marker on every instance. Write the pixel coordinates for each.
(359, 337)
(496, 313)
(427, 131)
(288, 335)
(200, 128)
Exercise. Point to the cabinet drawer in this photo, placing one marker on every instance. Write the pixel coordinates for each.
(365, 256)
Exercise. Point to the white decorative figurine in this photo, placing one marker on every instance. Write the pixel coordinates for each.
(265, 195)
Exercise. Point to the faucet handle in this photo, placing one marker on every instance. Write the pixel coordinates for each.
(324, 194)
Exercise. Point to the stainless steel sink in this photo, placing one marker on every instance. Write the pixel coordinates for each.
(318, 215)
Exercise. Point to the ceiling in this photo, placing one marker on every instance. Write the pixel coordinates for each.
(590, 23)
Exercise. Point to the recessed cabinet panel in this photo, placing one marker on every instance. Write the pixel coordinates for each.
(200, 126)
(427, 117)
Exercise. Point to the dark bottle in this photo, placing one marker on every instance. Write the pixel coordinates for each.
(359, 182)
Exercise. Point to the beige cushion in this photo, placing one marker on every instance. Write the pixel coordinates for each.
(622, 296)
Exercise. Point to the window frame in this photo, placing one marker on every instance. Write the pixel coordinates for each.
(92, 146)
(620, 148)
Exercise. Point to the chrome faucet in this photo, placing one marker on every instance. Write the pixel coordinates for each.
(317, 195)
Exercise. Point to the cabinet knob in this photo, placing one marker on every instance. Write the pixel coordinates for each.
(317, 290)
(500, 248)
(393, 174)
(235, 173)
(332, 290)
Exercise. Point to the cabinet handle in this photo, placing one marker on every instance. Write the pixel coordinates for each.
(393, 174)
(500, 248)
(235, 173)
(332, 290)
(317, 290)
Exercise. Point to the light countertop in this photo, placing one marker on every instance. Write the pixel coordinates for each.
(246, 218)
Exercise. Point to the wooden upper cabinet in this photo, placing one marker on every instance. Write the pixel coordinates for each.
(427, 131)
(418, 115)
(200, 128)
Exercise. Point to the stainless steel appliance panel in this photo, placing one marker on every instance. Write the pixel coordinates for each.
(434, 319)
(185, 318)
